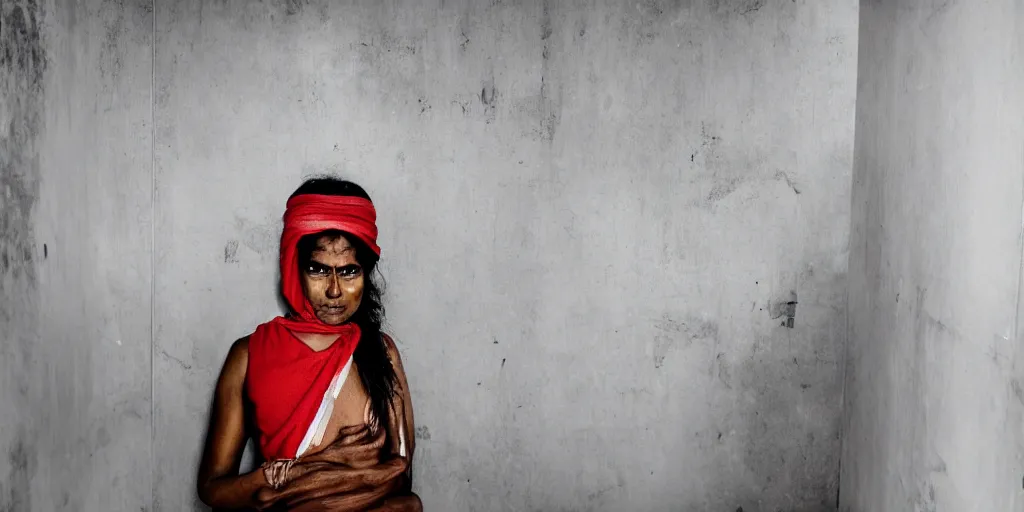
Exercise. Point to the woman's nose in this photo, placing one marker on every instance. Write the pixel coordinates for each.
(334, 286)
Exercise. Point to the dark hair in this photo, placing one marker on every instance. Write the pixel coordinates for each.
(371, 356)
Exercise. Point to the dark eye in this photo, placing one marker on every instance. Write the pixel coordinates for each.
(316, 270)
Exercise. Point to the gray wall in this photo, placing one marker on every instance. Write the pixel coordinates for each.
(934, 394)
(75, 256)
(593, 220)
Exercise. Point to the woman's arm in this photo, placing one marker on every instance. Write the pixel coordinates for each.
(220, 485)
(406, 396)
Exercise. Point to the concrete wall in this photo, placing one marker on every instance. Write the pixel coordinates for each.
(75, 256)
(597, 221)
(934, 396)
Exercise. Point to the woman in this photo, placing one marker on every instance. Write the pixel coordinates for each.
(322, 389)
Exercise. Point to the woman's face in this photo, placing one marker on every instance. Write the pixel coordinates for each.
(333, 280)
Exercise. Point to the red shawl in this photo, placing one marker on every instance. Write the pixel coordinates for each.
(286, 380)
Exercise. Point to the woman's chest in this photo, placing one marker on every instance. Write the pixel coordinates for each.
(350, 408)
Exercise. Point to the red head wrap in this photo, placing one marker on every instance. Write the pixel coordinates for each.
(311, 213)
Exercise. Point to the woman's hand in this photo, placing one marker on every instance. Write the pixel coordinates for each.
(346, 475)
(341, 489)
(356, 446)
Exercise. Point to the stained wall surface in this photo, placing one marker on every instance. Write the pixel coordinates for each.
(615, 238)
(934, 401)
(75, 255)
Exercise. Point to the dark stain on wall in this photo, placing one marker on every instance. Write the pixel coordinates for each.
(22, 52)
(293, 7)
(751, 7)
(785, 308)
(113, 54)
(792, 464)
(939, 10)
(14, 493)
(488, 95)
(783, 176)
(231, 251)
(423, 433)
(648, 20)
(793, 470)
(23, 62)
(489, 99)
(550, 100)
(736, 8)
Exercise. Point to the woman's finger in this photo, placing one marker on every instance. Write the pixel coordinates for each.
(363, 452)
(341, 479)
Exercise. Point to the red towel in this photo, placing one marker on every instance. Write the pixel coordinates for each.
(286, 382)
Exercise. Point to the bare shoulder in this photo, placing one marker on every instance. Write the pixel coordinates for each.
(241, 345)
(237, 361)
(392, 348)
(396, 359)
(239, 349)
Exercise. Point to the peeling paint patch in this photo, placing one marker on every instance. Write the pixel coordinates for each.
(673, 333)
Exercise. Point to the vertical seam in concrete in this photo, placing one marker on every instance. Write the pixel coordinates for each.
(1014, 369)
(843, 412)
(846, 342)
(1020, 263)
(152, 262)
